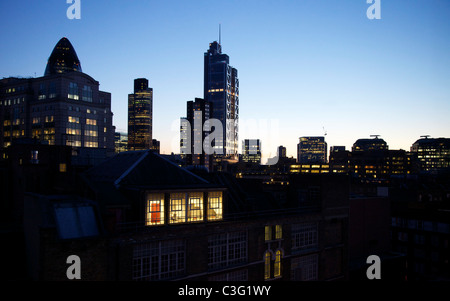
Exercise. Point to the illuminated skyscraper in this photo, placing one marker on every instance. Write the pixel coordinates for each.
(140, 116)
(221, 88)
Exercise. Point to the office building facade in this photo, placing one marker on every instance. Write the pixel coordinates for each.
(251, 151)
(140, 116)
(63, 107)
(312, 150)
(433, 154)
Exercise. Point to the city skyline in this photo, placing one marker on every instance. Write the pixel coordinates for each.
(312, 67)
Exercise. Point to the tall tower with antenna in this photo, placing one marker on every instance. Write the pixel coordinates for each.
(221, 88)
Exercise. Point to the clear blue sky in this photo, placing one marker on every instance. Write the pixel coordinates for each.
(305, 66)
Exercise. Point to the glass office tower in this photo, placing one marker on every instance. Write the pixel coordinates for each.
(140, 116)
(221, 89)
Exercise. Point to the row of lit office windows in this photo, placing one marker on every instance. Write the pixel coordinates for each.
(77, 143)
(183, 208)
(74, 119)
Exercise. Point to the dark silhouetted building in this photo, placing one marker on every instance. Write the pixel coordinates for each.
(140, 116)
(339, 160)
(141, 217)
(64, 107)
(193, 134)
(312, 150)
(371, 160)
(433, 154)
(251, 151)
(420, 225)
(363, 145)
(282, 152)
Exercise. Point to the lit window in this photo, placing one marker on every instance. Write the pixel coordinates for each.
(90, 144)
(186, 207)
(267, 259)
(268, 233)
(278, 232)
(73, 119)
(215, 211)
(73, 91)
(155, 209)
(277, 267)
(91, 121)
(177, 208)
(195, 212)
(90, 133)
(62, 167)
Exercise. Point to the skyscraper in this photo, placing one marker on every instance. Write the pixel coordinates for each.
(63, 107)
(193, 135)
(140, 116)
(221, 89)
(312, 150)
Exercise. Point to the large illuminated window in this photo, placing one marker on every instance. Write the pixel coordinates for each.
(195, 209)
(186, 207)
(177, 208)
(155, 209)
(215, 211)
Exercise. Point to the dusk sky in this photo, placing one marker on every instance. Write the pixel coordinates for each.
(305, 67)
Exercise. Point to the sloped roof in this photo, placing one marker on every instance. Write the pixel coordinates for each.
(144, 169)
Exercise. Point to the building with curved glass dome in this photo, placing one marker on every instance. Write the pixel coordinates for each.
(63, 107)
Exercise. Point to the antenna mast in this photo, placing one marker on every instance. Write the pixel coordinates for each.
(220, 34)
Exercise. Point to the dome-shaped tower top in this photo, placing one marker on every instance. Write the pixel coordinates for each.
(63, 59)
